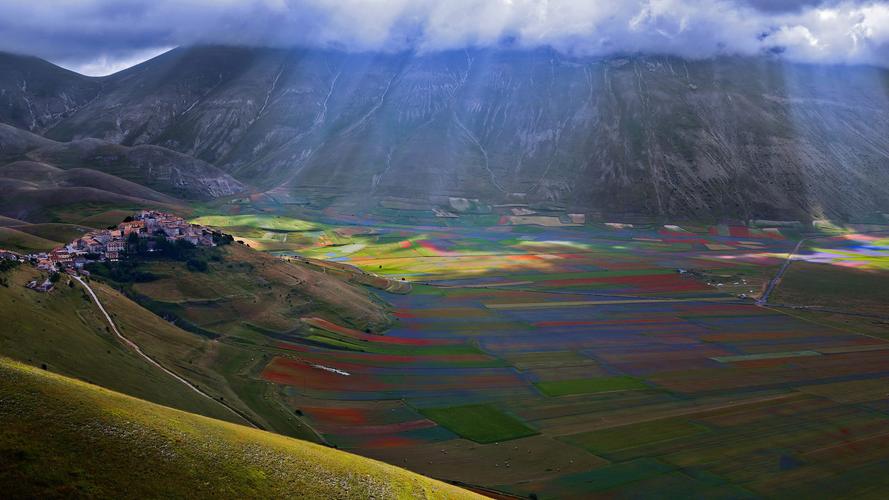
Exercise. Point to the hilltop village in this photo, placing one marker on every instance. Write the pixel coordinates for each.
(109, 245)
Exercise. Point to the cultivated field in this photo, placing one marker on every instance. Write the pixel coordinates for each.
(600, 358)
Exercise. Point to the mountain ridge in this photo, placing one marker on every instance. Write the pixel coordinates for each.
(734, 137)
(40, 173)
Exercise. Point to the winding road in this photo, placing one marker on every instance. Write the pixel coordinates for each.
(132, 345)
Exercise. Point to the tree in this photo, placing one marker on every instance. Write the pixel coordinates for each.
(132, 243)
(7, 265)
(196, 265)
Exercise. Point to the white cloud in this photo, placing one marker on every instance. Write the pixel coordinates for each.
(101, 35)
(104, 65)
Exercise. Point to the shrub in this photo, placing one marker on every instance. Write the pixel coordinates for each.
(196, 265)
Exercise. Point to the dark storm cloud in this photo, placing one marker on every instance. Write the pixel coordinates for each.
(98, 36)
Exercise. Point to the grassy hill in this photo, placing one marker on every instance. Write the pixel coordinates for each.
(64, 331)
(36, 191)
(9, 221)
(63, 437)
(236, 311)
(54, 231)
(246, 293)
(12, 238)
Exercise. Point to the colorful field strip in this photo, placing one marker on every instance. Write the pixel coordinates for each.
(584, 303)
(768, 355)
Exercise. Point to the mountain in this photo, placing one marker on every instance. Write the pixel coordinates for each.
(725, 137)
(151, 166)
(65, 438)
(38, 174)
(35, 94)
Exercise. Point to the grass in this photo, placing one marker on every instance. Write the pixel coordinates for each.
(244, 301)
(629, 436)
(64, 331)
(833, 286)
(253, 310)
(266, 222)
(240, 367)
(249, 286)
(9, 221)
(852, 324)
(480, 423)
(270, 233)
(610, 477)
(65, 438)
(590, 385)
(55, 231)
(95, 215)
(343, 342)
(20, 241)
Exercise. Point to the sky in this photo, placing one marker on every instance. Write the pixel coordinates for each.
(99, 37)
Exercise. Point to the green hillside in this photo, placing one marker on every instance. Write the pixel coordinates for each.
(12, 238)
(65, 438)
(9, 221)
(64, 331)
(243, 292)
(230, 309)
(62, 233)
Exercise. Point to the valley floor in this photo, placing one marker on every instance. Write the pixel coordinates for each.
(560, 360)
(566, 361)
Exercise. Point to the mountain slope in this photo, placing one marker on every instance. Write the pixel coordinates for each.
(34, 191)
(155, 167)
(15, 142)
(725, 137)
(245, 300)
(65, 332)
(39, 174)
(35, 94)
(62, 437)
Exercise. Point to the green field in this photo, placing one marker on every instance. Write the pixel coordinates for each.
(65, 438)
(628, 436)
(479, 423)
(590, 385)
(267, 222)
(825, 285)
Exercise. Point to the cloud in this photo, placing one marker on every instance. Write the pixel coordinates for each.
(102, 35)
